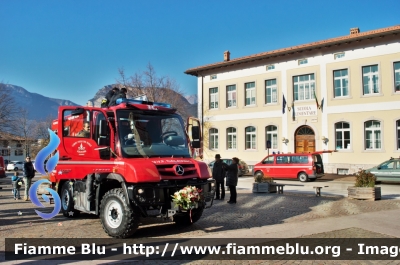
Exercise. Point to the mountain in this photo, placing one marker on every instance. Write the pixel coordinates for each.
(192, 99)
(39, 107)
(96, 100)
(187, 106)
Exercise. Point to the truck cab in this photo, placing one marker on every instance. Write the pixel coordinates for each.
(125, 162)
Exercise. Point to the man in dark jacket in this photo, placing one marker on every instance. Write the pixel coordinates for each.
(29, 173)
(106, 101)
(218, 174)
(232, 178)
(120, 94)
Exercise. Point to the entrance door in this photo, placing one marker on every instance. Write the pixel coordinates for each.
(305, 140)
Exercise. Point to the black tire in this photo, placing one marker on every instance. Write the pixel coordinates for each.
(67, 201)
(183, 219)
(258, 173)
(303, 177)
(117, 217)
(15, 169)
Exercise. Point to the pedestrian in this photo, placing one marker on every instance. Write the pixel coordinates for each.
(29, 173)
(120, 94)
(106, 101)
(218, 173)
(16, 184)
(232, 178)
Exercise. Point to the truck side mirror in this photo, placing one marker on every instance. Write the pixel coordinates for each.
(196, 132)
(196, 136)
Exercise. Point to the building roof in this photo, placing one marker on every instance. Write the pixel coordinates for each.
(10, 137)
(304, 47)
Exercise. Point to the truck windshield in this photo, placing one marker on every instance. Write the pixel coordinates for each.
(148, 134)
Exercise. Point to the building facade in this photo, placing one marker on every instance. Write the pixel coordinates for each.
(12, 150)
(338, 94)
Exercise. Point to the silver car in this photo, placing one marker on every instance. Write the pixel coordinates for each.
(387, 171)
(15, 165)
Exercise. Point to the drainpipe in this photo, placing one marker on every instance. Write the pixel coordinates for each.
(202, 116)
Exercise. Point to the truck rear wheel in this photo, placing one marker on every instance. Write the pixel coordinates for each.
(117, 216)
(67, 201)
(184, 218)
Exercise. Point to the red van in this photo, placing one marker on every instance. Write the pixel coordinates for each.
(2, 168)
(302, 166)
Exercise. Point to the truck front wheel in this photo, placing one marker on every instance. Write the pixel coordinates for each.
(117, 216)
(188, 218)
(67, 201)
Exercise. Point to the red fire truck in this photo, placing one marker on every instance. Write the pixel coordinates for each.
(128, 164)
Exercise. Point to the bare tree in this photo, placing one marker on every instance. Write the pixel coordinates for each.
(8, 109)
(24, 129)
(156, 88)
(41, 133)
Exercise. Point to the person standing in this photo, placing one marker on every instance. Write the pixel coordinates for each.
(120, 94)
(16, 184)
(106, 101)
(218, 174)
(232, 178)
(29, 173)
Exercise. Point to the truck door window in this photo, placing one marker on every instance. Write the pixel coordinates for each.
(76, 125)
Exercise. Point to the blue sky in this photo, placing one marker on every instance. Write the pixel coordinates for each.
(71, 49)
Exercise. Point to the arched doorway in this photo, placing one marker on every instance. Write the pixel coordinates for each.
(305, 139)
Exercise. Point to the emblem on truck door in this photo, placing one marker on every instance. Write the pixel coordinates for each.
(179, 170)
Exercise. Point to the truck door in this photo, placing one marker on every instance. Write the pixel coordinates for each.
(83, 132)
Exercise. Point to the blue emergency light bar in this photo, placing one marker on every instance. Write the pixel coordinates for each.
(135, 101)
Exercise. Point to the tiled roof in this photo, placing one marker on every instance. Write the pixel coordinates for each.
(290, 50)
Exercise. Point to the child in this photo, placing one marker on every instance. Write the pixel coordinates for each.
(16, 184)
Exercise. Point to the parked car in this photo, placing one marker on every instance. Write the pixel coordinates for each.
(304, 167)
(387, 171)
(2, 168)
(15, 165)
(243, 167)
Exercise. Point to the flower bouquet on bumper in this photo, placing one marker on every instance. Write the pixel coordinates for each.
(187, 198)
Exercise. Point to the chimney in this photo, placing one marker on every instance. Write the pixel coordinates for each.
(227, 56)
(354, 31)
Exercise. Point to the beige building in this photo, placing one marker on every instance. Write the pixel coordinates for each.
(337, 94)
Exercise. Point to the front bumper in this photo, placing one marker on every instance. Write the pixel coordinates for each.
(160, 194)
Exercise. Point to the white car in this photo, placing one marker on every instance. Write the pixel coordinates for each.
(15, 165)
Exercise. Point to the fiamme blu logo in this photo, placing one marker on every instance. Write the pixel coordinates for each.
(50, 165)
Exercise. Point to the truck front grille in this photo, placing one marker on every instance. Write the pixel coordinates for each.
(189, 170)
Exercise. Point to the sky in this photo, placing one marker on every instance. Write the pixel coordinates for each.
(71, 49)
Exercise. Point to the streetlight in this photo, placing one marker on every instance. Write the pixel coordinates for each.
(9, 154)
